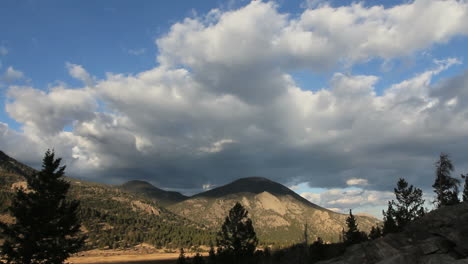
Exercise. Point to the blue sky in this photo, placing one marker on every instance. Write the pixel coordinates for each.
(123, 48)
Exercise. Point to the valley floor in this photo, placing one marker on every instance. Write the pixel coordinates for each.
(125, 257)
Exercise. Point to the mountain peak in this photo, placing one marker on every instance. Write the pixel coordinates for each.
(253, 185)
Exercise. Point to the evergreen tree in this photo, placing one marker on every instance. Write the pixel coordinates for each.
(408, 204)
(46, 224)
(465, 188)
(352, 235)
(445, 187)
(375, 233)
(198, 259)
(390, 225)
(237, 234)
(212, 255)
(182, 259)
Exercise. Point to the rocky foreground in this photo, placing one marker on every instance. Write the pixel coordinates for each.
(439, 237)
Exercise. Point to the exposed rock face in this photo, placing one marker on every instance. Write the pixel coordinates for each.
(278, 213)
(439, 237)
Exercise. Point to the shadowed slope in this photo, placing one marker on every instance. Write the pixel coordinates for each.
(145, 188)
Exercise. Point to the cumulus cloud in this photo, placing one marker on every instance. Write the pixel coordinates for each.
(12, 75)
(223, 104)
(78, 72)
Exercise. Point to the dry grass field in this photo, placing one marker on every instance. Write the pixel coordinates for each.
(125, 257)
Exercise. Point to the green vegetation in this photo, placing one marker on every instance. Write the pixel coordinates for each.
(445, 186)
(353, 235)
(112, 218)
(237, 236)
(46, 224)
(407, 207)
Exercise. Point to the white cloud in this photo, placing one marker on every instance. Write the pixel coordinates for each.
(48, 113)
(258, 36)
(357, 181)
(12, 75)
(78, 72)
(344, 199)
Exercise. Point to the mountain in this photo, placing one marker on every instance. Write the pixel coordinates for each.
(279, 215)
(438, 237)
(163, 197)
(110, 216)
(11, 166)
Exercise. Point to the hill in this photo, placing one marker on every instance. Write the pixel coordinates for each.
(279, 215)
(111, 217)
(163, 197)
(438, 237)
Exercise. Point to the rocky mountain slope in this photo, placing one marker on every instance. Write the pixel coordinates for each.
(279, 215)
(110, 216)
(439, 237)
(163, 197)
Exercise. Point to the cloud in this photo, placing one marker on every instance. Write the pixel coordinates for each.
(137, 52)
(3, 51)
(341, 200)
(47, 113)
(12, 75)
(78, 72)
(357, 181)
(223, 104)
(258, 36)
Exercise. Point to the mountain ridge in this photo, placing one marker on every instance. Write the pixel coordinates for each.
(163, 197)
(254, 185)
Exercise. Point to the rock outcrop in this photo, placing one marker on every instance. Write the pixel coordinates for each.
(439, 237)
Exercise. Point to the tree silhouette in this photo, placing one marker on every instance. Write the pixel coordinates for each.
(237, 235)
(375, 232)
(465, 188)
(198, 259)
(353, 235)
(182, 259)
(390, 225)
(46, 225)
(408, 204)
(445, 187)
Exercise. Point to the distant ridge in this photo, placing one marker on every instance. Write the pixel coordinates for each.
(145, 188)
(10, 165)
(254, 185)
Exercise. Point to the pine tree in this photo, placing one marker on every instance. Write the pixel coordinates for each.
(408, 204)
(445, 187)
(46, 224)
(182, 259)
(465, 188)
(375, 232)
(198, 259)
(352, 235)
(212, 255)
(237, 234)
(390, 225)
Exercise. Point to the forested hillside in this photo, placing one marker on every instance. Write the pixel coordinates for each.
(110, 217)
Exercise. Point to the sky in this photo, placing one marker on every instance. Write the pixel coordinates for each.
(335, 99)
